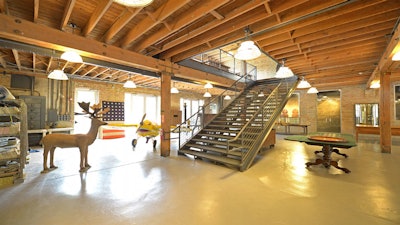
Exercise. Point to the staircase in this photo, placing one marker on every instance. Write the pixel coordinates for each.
(235, 135)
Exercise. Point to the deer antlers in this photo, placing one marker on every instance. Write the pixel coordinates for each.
(97, 112)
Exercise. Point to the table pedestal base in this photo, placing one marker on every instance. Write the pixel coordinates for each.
(327, 160)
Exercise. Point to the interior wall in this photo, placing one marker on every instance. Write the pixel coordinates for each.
(350, 95)
(107, 92)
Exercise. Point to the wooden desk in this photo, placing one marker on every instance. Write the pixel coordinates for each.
(289, 125)
(327, 147)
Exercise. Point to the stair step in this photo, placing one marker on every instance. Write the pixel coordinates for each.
(208, 141)
(213, 157)
(223, 131)
(214, 149)
(226, 126)
(228, 137)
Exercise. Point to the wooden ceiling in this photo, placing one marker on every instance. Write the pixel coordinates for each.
(331, 43)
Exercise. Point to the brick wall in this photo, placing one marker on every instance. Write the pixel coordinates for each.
(350, 95)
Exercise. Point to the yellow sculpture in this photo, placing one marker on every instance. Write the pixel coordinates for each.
(147, 129)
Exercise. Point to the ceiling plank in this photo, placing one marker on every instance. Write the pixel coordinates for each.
(231, 16)
(3, 6)
(146, 24)
(224, 29)
(122, 20)
(34, 34)
(35, 11)
(101, 8)
(183, 20)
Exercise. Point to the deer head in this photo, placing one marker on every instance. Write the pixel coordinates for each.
(97, 112)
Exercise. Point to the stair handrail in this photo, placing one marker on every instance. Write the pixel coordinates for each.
(179, 127)
(253, 116)
(249, 155)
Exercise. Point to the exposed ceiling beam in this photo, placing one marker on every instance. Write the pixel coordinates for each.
(67, 13)
(101, 8)
(30, 33)
(146, 24)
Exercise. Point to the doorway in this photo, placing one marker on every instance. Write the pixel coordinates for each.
(328, 111)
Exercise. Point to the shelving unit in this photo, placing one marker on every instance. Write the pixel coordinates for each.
(14, 140)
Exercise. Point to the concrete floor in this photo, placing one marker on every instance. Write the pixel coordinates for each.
(140, 187)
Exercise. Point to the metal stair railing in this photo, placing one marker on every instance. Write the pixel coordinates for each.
(195, 122)
(249, 132)
(269, 120)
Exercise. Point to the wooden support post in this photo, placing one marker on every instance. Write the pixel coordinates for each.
(384, 114)
(165, 113)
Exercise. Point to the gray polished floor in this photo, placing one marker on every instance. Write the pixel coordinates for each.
(141, 187)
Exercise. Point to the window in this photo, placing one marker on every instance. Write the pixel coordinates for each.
(137, 105)
(192, 107)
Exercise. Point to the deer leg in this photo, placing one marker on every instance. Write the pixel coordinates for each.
(45, 154)
(86, 158)
(52, 166)
(83, 162)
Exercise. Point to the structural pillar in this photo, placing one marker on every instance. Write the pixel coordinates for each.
(384, 114)
(165, 113)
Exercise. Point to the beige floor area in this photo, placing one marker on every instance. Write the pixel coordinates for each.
(127, 187)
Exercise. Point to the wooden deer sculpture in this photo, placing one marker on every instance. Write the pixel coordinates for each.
(82, 141)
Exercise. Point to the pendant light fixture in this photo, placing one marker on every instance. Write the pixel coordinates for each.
(207, 94)
(396, 57)
(375, 84)
(72, 56)
(303, 84)
(174, 90)
(227, 97)
(283, 71)
(134, 3)
(58, 74)
(208, 85)
(247, 50)
(312, 90)
(129, 83)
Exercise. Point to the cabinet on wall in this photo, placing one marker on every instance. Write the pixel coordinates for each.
(36, 112)
(13, 140)
(36, 106)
